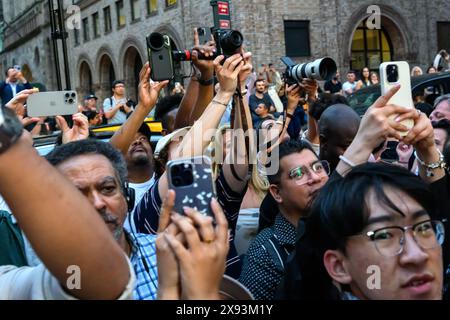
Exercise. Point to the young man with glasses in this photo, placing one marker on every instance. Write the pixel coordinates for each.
(300, 177)
(374, 234)
(117, 107)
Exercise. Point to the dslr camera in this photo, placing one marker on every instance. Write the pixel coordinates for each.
(320, 69)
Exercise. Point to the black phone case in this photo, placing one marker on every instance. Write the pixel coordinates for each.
(199, 194)
(161, 62)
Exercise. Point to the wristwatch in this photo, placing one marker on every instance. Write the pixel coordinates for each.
(10, 129)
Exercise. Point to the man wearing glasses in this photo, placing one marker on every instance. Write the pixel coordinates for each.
(117, 107)
(299, 179)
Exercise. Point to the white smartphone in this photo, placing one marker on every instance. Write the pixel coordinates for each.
(52, 103)
(391, 74)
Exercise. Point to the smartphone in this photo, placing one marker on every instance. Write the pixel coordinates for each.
(160, 57)
(191, 179)
(53, 103)
(391, 74)
(17, 67)
(204, 35)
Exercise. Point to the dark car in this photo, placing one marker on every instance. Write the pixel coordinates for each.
(434, 85)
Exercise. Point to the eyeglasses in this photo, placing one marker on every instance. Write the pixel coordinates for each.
(390, 241)
(298, 174)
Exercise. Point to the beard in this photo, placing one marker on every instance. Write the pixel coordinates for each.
(110, 219)
(141, 160)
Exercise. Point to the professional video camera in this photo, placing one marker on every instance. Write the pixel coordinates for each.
(320, 69)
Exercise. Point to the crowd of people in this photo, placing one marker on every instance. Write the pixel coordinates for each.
(306, 201)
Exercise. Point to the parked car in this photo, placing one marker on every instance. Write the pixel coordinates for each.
(434, 85)
(45, 144)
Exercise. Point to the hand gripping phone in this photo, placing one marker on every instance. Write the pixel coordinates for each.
(160, 57)
(391, 74)
(191, 179)
(52, 103)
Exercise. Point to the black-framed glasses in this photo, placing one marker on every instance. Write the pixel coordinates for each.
(390, 241)
(320, 167)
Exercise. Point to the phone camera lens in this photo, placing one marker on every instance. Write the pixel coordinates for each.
(73, 95)
(67, 95)
(70, 100)
(177, 181)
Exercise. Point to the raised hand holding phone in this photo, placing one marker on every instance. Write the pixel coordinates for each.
(392, 74)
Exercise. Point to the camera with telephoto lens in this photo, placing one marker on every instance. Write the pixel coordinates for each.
(320, 69)
(228, 43)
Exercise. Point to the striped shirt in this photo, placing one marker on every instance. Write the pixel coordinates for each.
(144, 249)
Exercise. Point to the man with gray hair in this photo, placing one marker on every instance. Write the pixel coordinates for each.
(441, 108)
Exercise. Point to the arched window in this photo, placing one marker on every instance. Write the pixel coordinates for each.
(370, 48)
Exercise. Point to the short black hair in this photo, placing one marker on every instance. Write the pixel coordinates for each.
(258, 80)
(352, 71)
(167, 104)
(90, 114)
(116, 82)
(325, 100)
(89, 147)
(285, 149)
(341, 211)
(7, 70)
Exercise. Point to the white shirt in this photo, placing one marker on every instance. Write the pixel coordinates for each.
(37, 283)
(13, 88)
(347, 86)
(139, 190)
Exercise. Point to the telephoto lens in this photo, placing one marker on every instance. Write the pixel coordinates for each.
(321, 69)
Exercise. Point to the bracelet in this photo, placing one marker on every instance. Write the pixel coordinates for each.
(440, 164)
(206, 82)
(221, 103)
(347, 162)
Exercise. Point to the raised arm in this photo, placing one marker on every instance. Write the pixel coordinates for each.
(148, 95)
(63, 227)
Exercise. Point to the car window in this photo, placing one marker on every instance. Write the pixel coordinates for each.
(430, 90)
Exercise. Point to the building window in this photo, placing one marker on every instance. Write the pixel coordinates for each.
(96, 24)
(107, 19)
(135, 10)
(443, 30)
(152, 6)
(370, 47)
(76, 36)
(85, 29)
(120, 13)
(296, 37)
(170, 3)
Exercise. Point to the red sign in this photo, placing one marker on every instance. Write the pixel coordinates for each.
(223, 8)
(224, 24)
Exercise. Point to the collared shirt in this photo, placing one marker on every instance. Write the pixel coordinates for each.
(13, 88)
(260, 273)
(109, 104)
(144, 249)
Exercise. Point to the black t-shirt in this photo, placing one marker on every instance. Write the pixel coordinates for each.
(254, 101)
(333, 88)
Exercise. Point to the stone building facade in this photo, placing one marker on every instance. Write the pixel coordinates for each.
(117, 49)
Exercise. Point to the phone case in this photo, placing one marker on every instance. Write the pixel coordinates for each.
(52, 103)
(197, 195)
(404, 96)
(161, 61)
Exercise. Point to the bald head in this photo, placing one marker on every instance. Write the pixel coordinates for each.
(338, 126)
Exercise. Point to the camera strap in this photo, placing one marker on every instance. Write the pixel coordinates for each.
(238, 102)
